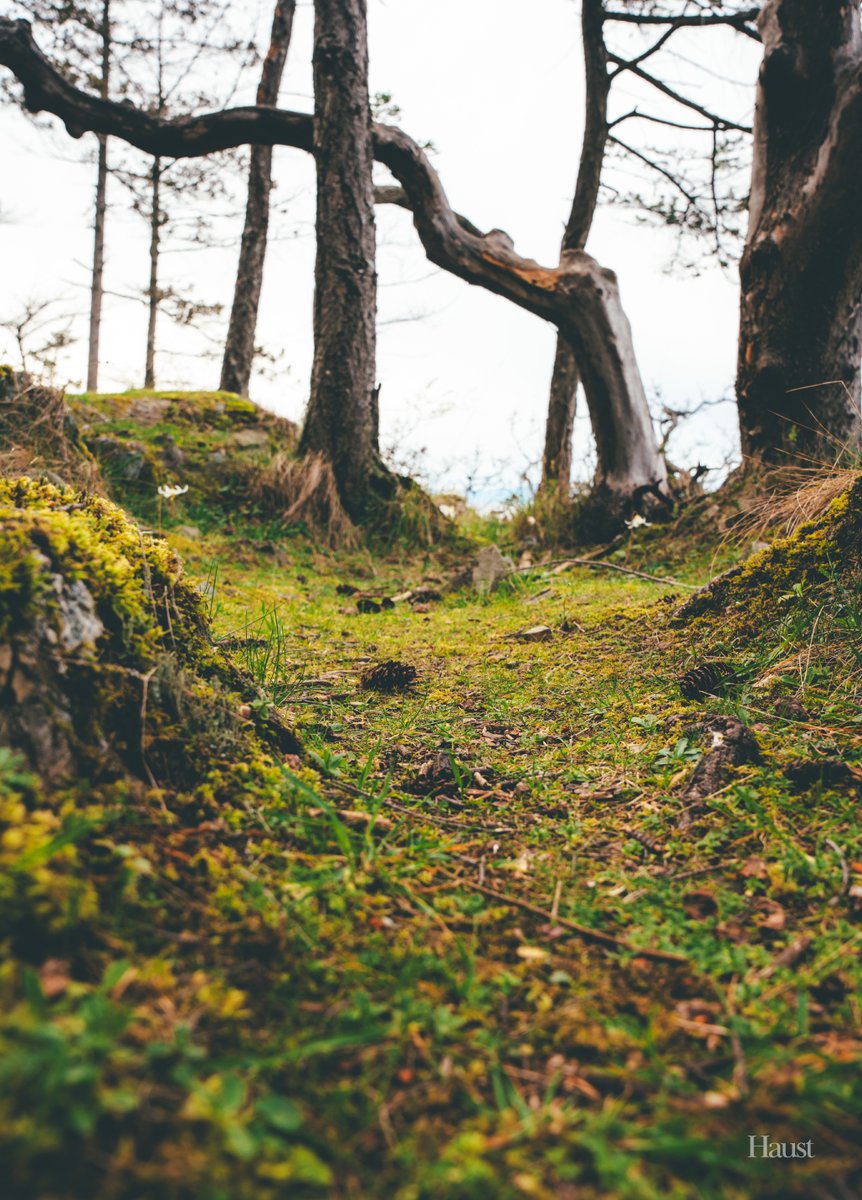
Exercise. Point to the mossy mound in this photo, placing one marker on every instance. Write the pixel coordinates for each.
(105, 657)
(754, 596)
(214, 444)
(131, 852)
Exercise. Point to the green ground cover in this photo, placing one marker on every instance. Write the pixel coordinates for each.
(475, 938)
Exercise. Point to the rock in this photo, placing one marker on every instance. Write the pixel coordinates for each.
(490, 569)
(171, 455)
(730, 744)
(80, 623)
(485, 573)
(250, 439)
(218, 456)
(188, 531)
(149, 410)
(127, 460)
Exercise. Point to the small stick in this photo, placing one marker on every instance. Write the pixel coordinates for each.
(582, 931)
(845, 869)
(555, 906)
(609, 566)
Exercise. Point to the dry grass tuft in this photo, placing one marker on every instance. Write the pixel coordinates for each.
(39, 436)
(789, 497)
(304, 490)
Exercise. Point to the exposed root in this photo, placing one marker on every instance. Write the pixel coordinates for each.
(304, 490)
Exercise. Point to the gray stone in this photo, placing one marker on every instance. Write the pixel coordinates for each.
(149, 410)
(127, 460)
(490, 569)
(250, 439)
(80, 623)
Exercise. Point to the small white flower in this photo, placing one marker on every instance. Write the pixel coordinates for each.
(171, 491)
(637, 522)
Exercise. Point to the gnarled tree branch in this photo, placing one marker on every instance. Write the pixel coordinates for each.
(579, 296)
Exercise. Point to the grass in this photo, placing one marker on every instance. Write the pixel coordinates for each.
(377, 969)
(522, 1061)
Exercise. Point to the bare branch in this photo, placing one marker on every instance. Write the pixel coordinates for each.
(742, 22)
(718, 121)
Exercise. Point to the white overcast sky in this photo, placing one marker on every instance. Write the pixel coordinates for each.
(497, 86)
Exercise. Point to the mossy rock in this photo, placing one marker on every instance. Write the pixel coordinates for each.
(215, 444)
(749, 597)
(105, 655)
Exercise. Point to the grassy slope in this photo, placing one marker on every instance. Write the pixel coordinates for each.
(414, 1035)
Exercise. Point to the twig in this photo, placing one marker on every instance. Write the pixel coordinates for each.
(845, 871)
(609, 566)
(582, 931)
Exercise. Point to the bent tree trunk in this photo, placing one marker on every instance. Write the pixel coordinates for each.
(800, 344)
(578, 296)
(239, 346)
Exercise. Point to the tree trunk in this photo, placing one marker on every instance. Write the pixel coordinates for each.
(153, 289)
(96, 284)
(579, 296)
(562, 406)
(628, 455)
(800, 344)
(340, 422)
(239, 347)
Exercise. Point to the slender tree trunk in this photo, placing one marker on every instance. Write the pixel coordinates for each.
(800, 344)
(628, 455)
(239, 347)
(96, 284)
(562, 406)
(340, 422)
(153, 289)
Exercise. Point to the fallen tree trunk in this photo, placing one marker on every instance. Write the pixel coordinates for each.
(579, 296)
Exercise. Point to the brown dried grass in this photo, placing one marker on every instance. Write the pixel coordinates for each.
(304, 490)
(788, 497)
(38, 437)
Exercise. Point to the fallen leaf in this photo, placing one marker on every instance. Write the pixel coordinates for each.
(755, 868)
(54, 977)
(774, 917)
(532, 953)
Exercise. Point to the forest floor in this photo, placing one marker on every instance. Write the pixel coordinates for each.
(524, 950)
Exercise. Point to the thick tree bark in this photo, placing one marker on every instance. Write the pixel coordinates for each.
(153, 296)
(800, 346)
(239, 347)
(96, 282)
(340, 421)
(578, 296)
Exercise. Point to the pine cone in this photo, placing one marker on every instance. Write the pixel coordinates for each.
(705, 680)
(389, 676)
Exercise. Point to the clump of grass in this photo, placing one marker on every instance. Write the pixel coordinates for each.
(303, 490)
(39, 436)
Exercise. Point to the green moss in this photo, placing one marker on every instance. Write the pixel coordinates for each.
(228, 985)
(754, 595)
